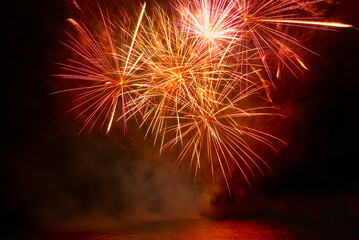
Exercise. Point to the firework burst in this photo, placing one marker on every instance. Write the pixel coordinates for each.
(254, 26)
(212, 23)
(213, 126)
(192, 77)
(174, 64)
(199, 100)
(108, 64)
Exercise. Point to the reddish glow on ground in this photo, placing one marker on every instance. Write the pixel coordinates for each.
(180, 229)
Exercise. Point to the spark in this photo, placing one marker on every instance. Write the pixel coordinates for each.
(254, 25)
(107, 66)
(327, 24)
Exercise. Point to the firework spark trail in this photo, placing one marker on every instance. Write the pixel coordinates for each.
(192, 75)
(265, 23)
(193, 100)
(254, 24)
(108, 64)
(216, 124)
(175, 64)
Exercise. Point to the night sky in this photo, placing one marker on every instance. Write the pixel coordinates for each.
(50, 174)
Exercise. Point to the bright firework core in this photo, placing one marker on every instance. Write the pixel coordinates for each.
(198, 76)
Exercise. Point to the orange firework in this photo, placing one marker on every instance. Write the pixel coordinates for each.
(108, 63)
(174, 64)
(200, 100)
(211, 24)
(259, 25)
(192, 76)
